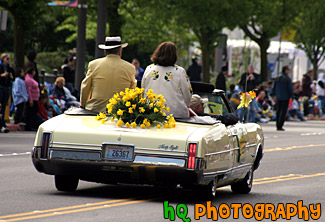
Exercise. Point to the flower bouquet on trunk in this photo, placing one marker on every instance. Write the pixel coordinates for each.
(134, 107)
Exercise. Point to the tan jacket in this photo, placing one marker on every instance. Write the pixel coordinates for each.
(105, 77)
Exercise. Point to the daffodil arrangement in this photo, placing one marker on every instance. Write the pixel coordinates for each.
(246, 98)
(133, 108)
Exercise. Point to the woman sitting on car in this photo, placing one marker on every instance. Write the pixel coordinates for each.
(168, 79)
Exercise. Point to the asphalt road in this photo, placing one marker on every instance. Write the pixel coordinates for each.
(292, 170)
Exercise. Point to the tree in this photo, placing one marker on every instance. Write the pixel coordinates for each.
(144, 30)
(263, 19)
(25, 14)
(310, 32)
(205, 18)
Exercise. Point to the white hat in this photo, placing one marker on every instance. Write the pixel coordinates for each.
(112, 42)
(197, 100)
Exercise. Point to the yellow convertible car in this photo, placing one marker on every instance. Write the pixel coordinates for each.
(196, 153)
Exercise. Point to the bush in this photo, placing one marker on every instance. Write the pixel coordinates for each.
(50, 61)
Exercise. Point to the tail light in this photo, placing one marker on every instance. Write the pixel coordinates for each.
(46, 139)
(192, 148)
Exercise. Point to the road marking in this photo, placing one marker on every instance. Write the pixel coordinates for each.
(15, 154)
(293, 147)
(122, 202)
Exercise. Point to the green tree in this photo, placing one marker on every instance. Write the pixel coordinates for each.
(145, 29)
(25, 14)
(262, 20)
(205, 18)
(310, 32)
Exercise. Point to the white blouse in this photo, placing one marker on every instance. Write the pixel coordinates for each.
(173, 83)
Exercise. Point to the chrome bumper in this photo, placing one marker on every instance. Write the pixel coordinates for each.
(96, 156)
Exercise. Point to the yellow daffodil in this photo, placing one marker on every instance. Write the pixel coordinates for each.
(113, 101)
(156, 110)
(127, 104)
(141, 110)
(103, 121)
(97, 117)
(119, 112)
(120, 123)
(151, 105)
(145, 121)
(158, 104)
(143, 126)
(148, 124)
(127, 125)
(143, 100)
(133, 124)
(158, 126)
(166, 125)
(112, 120)
(122, 93)
(246, 99)
(134, 106)
(126, 98)
(150, 91)
(130, 110)
(167, 109)
(102, 115)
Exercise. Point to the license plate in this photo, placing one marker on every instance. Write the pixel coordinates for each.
(118, 152)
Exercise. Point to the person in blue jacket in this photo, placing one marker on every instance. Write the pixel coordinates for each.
(19, 95)
(282, 90)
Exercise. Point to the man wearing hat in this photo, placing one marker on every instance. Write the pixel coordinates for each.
(106, 76)
(197, 105)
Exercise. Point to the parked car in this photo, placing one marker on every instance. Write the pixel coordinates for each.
(73, 146)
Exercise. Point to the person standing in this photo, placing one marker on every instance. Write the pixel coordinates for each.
(6, 77)
(166, 78)
(320, 90)
(283, 91)
(19, 95)
(32, 108)
(249, 81)
(194, 70)
(138, 70)
(221, 78)
(31, 56)
(68, 70)
(106, 76)
(307, 92)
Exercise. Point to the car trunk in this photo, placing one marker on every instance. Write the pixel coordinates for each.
(87, 133)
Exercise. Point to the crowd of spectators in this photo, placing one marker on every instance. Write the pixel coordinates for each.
(32, 103)
(308, 99)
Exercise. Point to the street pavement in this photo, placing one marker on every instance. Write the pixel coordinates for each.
(292, 170)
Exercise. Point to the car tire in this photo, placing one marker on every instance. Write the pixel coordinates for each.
(244, 186)
(66, 183)
(209, 191)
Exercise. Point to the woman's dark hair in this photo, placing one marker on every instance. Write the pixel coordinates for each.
(165, 54)
(29, 69)
(31, 55)
(18, 71)
(284, 69)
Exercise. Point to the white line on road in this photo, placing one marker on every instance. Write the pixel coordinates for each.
(15, 154)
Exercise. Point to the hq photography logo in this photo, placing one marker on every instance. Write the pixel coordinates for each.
(258, 211)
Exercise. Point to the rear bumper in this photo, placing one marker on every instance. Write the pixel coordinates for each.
(88, 165)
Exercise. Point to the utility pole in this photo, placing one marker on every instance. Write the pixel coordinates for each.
(101, 27)
(81, 43)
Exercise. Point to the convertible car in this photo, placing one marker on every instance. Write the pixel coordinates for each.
(196, 153)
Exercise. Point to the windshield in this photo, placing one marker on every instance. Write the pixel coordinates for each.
(215, 105)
